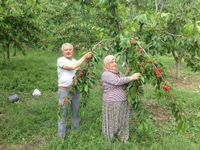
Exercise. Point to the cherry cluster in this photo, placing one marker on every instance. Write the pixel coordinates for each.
(165, 87)
(139, 50)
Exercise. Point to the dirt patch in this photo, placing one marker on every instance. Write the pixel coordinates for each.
(40, 141)
(187, 82)
(157, 112)
(24, 146)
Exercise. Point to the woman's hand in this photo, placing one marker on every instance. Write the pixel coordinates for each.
(135, 76)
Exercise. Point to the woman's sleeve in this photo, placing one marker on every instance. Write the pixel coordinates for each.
(121, 74)
(112, 79)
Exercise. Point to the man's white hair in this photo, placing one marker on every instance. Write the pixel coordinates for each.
(67, 44)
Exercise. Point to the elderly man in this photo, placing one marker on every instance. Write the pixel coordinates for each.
(66, 67)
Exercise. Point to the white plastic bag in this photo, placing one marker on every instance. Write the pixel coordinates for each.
(124, 64)
(36, 92)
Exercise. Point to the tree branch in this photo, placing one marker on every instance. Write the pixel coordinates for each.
(104, 40)
(117, 21)
(162, 7)
(174, 55)
(173, 34)
(141, 25)
(138, 6)
(131, 9)
(156, 5)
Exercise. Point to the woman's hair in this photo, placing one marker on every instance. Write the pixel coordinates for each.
(67, 44)
(106, 62)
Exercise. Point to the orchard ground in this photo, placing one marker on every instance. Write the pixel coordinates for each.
(31, 123)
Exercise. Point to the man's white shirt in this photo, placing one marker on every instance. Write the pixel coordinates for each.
(65, 76)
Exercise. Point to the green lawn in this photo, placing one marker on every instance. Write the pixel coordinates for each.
(31, 123)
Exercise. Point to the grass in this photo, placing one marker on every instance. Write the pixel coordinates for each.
(170, 64)
(31, 123)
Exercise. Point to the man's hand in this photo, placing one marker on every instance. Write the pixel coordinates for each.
(135, 76)
(72, 66)
(88, 55)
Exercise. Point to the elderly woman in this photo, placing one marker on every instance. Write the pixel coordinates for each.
(115, 109)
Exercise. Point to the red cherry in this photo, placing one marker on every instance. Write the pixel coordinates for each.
(132, 42)
(166, 88)
(99, 45)
(142, 64)
(149, 61)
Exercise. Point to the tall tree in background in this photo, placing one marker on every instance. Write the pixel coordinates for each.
(70, 21)
(19, 25)
(177, 32)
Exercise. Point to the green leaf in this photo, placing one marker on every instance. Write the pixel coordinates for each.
(146, 126)
(181, 126)
(142, 78)
(128, 44)
(142, 18)
(133, 29)
(141, 127)
(132, 94)
(184, 126)
(1, 9)
(86, 88)
(1, 18)
(118, 58)
(164, 14)
(189, 29)
(197, 57)
(158, 95)
(129, 98)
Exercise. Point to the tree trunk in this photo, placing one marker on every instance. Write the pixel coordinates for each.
(140, 31)
(15, 51)
(162, 6)
(97, 9)
(138, 6)
(156, 5)
(141, 23)
(3, 52)
(177, 58)
(116, 19)
(178, 67)
(8, 50)
(131, 9)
